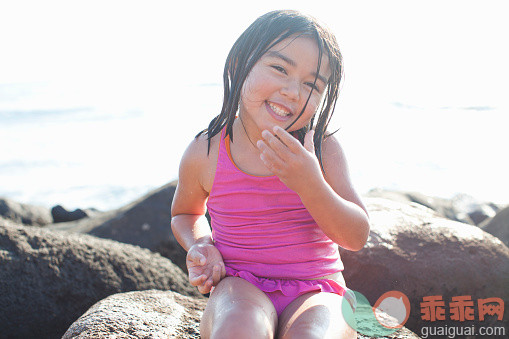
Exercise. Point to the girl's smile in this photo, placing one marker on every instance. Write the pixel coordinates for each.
(276, 90)
(278, 112)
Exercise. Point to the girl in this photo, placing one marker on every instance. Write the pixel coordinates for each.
(277, 189)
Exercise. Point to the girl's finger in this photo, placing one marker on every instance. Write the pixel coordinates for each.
(309, 144)
(205, 288)
(223, 271)
(292, 143)
(196, 259)
(202, 289)
(276, 145)
(269, 153)
(271, 161)
(197, 281)
(216, 274)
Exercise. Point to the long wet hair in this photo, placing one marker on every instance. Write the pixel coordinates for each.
(264, 33)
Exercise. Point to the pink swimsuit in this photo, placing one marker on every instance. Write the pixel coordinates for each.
(266, 235)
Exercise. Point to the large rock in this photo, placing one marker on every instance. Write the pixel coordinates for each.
(498, 225)
(146, 314)
(60, 214)
(462, 207)
(48, 279)
(151, 314)
(413, 250)
(24, 214)
(144, 222)
(470, 209)
(8, 222)
(443, 207)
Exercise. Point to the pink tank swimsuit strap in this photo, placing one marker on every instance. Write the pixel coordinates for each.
(225, 161)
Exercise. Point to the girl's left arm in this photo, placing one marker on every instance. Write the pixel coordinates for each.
(329, 196)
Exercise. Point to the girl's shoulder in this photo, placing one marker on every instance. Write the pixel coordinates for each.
(200, 159)
(332, 149)
(334, 160)
(199, 149)
(336, 170)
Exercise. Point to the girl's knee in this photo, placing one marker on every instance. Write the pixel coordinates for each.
(315, 315)
(243, 319)
(236, 330)
(301, 334)
(317, 330)
(311, 333)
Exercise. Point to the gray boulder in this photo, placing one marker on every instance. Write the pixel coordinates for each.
(145, 314)
(498, 225)
(473, 210)
(48, 279)
(462, 207)
(24, 214)
(60, 214)
(144, 222)
(413, 250)
(443, 207)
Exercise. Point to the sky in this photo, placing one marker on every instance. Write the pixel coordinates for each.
(413, 50)
(437, 66)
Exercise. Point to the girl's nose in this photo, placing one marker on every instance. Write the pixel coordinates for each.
(291, 90)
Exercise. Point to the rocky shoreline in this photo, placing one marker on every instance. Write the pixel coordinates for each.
(122, 273)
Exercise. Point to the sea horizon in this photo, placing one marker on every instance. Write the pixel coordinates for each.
(85, 155)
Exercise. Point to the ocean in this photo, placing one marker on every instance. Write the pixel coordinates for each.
(61, 143)
(96, 115)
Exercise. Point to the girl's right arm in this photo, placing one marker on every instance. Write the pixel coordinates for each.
(188, 223)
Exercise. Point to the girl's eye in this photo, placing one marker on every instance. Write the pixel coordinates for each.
(279, 69)
(313, 86)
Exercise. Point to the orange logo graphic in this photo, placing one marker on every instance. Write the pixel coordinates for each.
(392, 309)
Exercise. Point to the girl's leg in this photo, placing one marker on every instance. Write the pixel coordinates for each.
(315, 315)
(238, 309)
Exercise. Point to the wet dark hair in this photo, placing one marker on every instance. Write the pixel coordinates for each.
(265, 32)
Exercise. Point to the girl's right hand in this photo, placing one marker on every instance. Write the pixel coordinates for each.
(205, 266)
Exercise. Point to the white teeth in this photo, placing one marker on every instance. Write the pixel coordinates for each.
(279, 111)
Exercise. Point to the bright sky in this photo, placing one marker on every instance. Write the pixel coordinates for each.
(141, 59)
(444, 51)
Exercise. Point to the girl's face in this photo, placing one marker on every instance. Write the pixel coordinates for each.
(276, 89)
